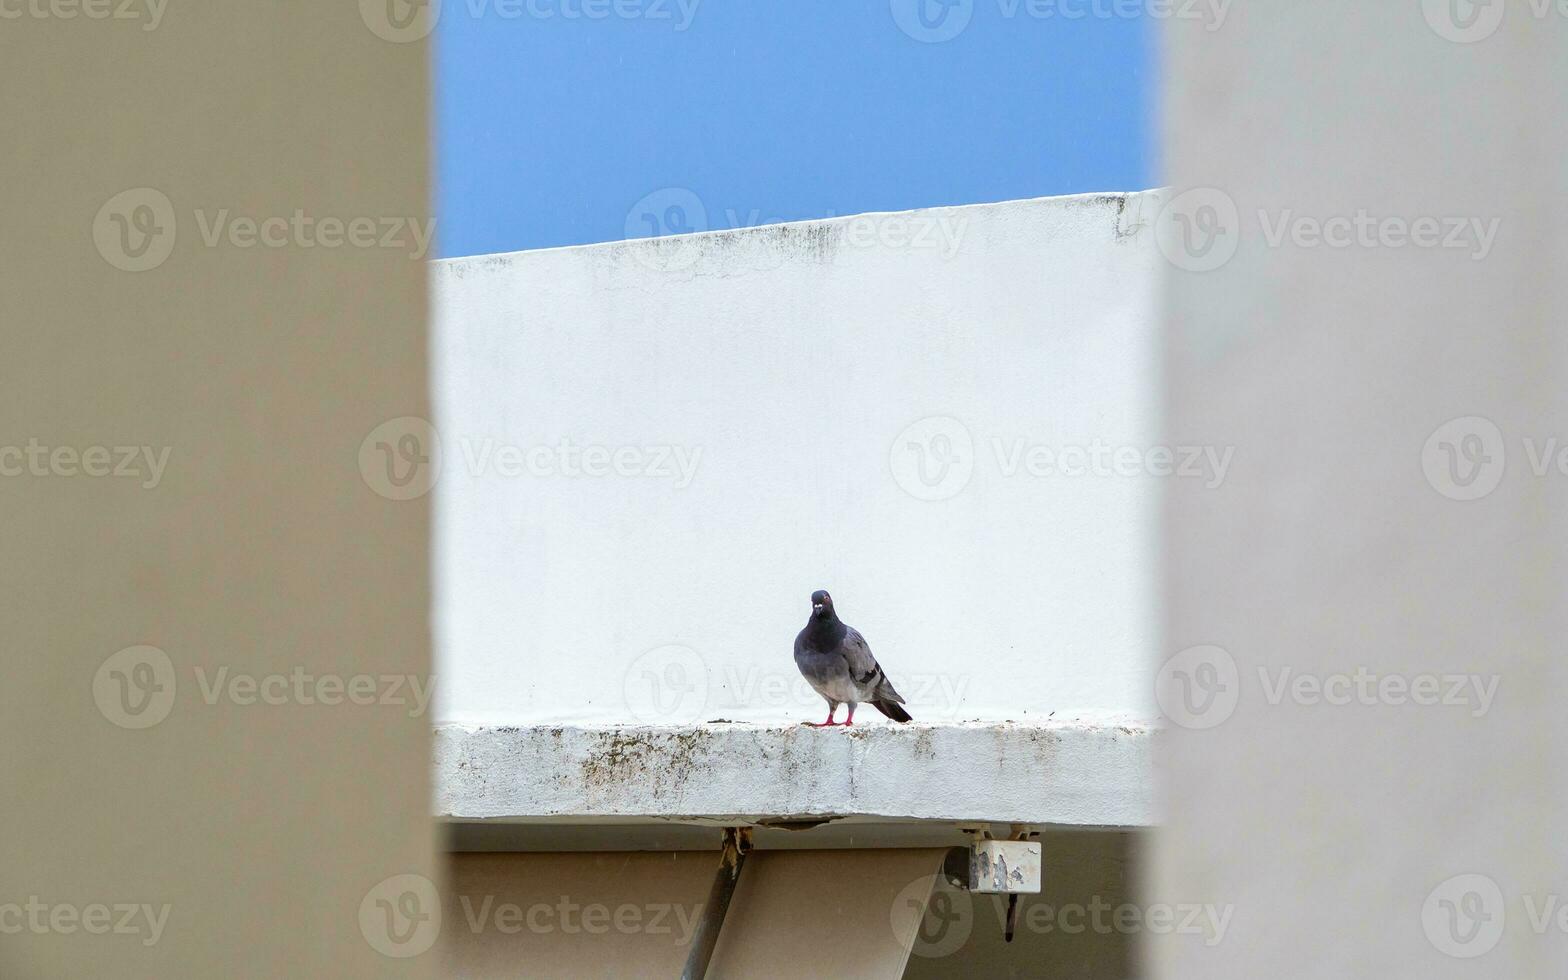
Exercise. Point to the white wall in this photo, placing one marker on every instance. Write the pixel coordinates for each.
(788, 362)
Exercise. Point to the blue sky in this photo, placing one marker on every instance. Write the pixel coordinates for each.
(561, 122)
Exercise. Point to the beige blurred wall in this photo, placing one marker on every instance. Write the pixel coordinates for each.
(1383, 516)
(244, 837)
(795, 913)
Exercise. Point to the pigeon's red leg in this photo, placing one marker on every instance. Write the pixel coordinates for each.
(830, 723)
(850, 718)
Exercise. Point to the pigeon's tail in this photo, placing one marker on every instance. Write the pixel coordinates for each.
(892, 709)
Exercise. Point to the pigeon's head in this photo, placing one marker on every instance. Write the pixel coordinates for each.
(821, 603)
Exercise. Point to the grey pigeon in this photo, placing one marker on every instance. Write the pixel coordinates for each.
(837, 662)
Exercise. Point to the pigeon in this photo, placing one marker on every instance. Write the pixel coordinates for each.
(837, 662)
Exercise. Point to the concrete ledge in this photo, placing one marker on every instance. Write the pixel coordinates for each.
(1072, 774)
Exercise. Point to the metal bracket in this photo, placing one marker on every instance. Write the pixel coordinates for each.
(997, 867)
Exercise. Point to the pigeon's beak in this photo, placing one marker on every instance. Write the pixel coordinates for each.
(816, 607)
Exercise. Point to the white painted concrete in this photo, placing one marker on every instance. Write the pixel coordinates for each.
(782, 367)
(1060, 774)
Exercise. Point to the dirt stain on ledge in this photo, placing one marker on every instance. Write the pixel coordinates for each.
(664, 758)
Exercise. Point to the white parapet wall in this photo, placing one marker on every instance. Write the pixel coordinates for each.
(1070, 775)
(653, 451)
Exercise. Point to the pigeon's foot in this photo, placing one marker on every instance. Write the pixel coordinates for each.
(823, 724)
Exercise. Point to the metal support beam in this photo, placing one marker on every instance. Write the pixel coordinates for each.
(737, 843)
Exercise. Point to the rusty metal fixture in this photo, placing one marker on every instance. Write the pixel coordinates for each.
(732, 857)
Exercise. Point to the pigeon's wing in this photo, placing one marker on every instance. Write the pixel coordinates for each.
(863, 667)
